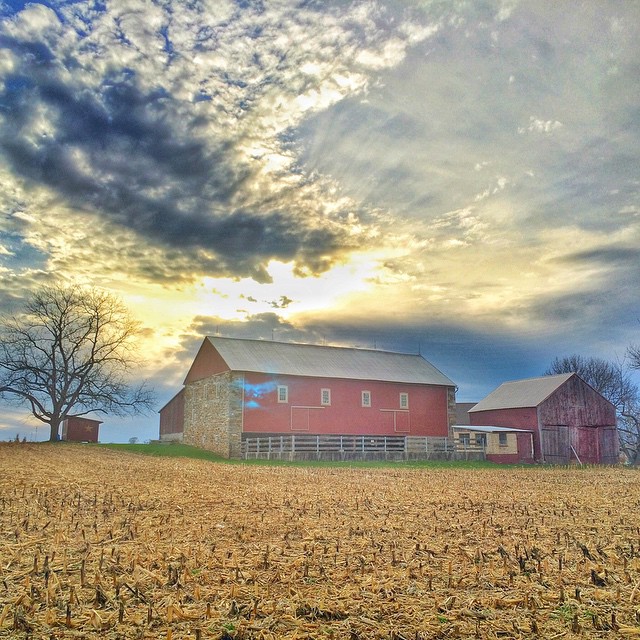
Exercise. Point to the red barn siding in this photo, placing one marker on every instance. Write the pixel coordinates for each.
(77, 429)
(525, 451)
(585, 442)
(576, 403)
(573, 420)
(427, 412)
(172, 416)
(609, 444)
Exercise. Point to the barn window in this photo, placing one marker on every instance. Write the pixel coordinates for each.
(404, 400)
(481, 439)
(283, 393)
(366, 398)
(464, 439)
(325, 397)
(502, 439)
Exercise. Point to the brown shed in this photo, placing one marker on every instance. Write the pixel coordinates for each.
(79, 429)
(569, 419)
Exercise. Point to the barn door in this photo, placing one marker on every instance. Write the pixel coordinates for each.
(555, 444)
(300, 418)
(609, 445)
(403, 424)
(585, 443)
(395, 421)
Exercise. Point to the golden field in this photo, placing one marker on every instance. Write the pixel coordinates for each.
(100, 543)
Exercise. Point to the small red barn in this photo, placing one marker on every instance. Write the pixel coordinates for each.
(79, 429)
(570, 420)
(246, 388)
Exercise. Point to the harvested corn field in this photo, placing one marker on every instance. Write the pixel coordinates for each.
(99, 543)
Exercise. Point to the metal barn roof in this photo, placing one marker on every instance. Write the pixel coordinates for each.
(285, 358)
(520, 394)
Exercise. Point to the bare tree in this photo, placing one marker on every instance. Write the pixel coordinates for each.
(71, 350)
(631, 415)
(614, 382)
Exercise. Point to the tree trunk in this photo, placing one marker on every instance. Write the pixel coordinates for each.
(54, 435)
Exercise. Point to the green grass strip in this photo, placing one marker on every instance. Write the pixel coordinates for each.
(178, 450)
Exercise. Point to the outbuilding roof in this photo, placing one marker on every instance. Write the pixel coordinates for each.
(287, 358)
(522, 393)
(488, 429)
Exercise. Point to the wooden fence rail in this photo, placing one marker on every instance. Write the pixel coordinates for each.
(306, 446)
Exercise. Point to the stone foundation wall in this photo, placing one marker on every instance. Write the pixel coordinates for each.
(213, 414)
(171, 437)
(236, 402)
(451, 408)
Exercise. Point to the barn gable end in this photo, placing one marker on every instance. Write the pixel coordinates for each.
(208, 362)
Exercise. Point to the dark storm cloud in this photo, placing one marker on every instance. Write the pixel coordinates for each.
(170, 124)
(281, 303)
(607, 301)
(261, 326)
(626, 257)
(129, 152)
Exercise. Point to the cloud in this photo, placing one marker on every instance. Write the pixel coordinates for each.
(173, 125)
(282, 303)
(540, 126)
(617, 256)
(463, 96)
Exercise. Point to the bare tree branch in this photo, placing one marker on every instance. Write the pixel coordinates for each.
(633, 354)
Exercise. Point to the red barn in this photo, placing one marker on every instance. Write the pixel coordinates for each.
(239, 389)
(78, 429)
(570, 420)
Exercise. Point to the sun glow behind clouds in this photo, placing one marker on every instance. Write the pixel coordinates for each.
(287, 293)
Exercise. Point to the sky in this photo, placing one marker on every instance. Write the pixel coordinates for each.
(459, 179)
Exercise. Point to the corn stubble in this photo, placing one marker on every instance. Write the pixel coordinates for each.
(98, 543)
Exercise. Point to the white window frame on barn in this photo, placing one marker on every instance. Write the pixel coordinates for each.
(325, 397)
(283, 394)
(366, 398)
(503, 440)
(404, 400)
